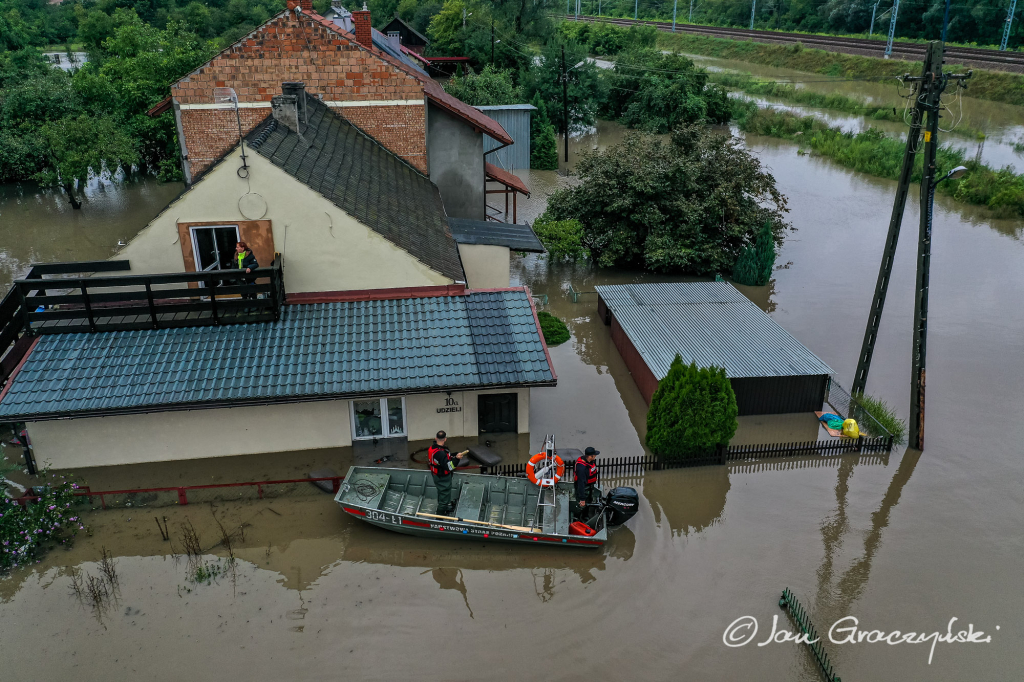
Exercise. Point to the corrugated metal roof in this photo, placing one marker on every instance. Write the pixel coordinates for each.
(709, 323)
(514, 236)
(509, 107)
(315, 351)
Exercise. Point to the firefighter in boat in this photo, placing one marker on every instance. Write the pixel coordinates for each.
(585, 472)
(442, 464)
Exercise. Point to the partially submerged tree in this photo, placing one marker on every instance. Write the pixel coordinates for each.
(74, 146)
(757, 260)
(687, 206)
(562, 238)
(693, 411)
(543, 144)
(658, 92)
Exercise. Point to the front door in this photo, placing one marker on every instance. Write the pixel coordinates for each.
(499, 413)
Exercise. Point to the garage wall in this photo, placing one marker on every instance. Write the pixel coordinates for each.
(191, 434)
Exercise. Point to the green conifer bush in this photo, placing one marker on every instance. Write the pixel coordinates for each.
(693, 410)
(543, 145)
(756, 261)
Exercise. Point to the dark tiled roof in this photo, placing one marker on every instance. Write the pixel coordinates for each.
(315, 351)
(515, 237)
(365, 180)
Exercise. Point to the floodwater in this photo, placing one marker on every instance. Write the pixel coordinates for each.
(1002, 124)
(906, 542)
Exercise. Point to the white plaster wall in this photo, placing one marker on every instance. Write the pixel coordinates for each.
(324, 248)
(193, 434)
(486, 266)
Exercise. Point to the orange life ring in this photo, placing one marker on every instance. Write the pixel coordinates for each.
(540, 457)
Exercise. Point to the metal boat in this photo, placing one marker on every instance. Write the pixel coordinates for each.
(499, 508)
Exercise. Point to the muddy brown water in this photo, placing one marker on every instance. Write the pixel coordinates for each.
(905, 544)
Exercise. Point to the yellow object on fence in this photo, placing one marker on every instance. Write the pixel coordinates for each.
(850, 428)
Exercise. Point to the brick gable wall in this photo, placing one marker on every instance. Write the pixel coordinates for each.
(290, 48)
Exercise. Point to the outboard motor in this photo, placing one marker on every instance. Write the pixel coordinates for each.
(620, 505)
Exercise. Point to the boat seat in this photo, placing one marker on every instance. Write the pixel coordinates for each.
(471, 500)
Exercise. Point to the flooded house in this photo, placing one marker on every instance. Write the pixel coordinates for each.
(381, 310)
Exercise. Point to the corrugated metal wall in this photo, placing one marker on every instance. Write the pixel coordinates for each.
(516, 122)
(779, 395)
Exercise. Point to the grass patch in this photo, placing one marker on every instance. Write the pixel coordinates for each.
(883, 414)
(995, 86)
(820, 100)
(555, 331)
(875, 153)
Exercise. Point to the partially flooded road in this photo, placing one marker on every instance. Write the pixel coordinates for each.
(900, 543)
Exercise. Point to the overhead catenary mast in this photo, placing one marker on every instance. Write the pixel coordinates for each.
(1009, 22)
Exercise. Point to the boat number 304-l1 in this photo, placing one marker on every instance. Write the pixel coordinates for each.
(384, 517)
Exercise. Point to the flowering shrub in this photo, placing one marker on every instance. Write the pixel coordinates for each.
(27, 531)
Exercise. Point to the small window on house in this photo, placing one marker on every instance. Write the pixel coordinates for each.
(378, 418)
(214, 246)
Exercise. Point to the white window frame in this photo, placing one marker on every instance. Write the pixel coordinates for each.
(195, 244)
(385, 418)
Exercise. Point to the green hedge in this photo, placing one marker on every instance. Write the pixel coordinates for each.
(555, 331)
(693, 410)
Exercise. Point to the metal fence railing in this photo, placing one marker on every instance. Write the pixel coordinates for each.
(846, 406)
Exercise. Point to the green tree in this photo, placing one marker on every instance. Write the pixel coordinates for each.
(687, 206)
(657, 92)
(562, 238)
(586, 88)
(490, 87)
(756, 261)
(76, 146)
(692, 411)
(555, 331)
(543, 144)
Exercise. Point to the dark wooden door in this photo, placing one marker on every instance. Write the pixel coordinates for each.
(499, 413)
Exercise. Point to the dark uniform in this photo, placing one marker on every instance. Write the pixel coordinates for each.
(442, 464)
(247, 261)
(586, 482)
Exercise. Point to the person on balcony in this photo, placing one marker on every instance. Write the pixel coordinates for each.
(246, 261)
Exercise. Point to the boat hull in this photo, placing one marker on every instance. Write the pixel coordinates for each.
(428, 525)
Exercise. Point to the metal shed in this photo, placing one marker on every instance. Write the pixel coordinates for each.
(515, 119)
(712, 324)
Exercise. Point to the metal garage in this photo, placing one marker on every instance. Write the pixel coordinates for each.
(712, 324)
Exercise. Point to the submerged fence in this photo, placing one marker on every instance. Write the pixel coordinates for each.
(723, 455)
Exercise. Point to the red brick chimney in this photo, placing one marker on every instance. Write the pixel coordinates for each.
(305, 5)
(361, 20)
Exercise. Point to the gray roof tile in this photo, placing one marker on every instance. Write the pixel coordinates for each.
(314, 351)
(365, 180)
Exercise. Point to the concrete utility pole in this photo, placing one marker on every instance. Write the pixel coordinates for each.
(675, 5)
(892, 28)
(565, 107)
(636, 8)
(492, 42)
(753, 6)
(924, 118)
(1009, 22)
(691, 11)
(945, 23)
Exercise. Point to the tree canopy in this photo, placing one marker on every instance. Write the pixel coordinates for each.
(490, 87)
(667, 206)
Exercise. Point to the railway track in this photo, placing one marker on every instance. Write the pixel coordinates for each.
(968, 56)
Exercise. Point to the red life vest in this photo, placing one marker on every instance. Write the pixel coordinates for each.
(439, 457)
(585, 469)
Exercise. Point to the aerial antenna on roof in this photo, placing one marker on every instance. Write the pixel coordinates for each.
(225, 98)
